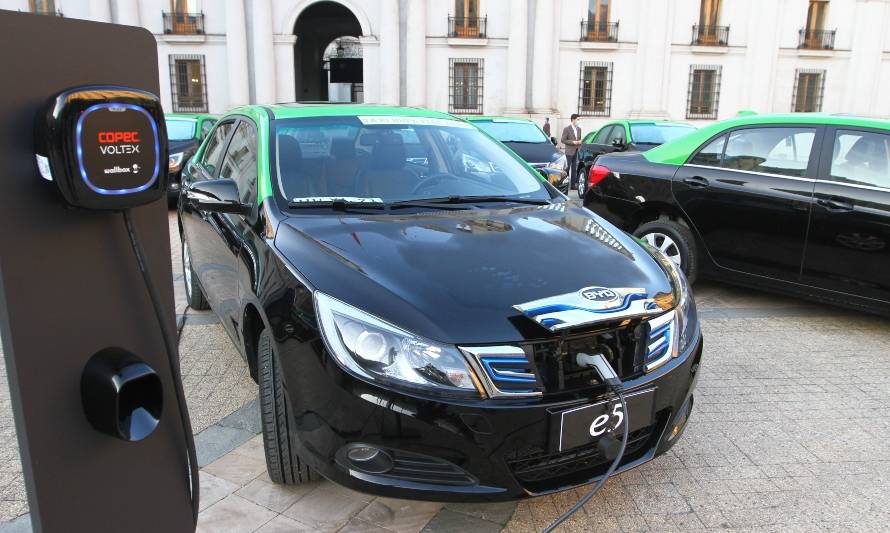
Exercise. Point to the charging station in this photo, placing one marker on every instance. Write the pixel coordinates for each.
(102, 426)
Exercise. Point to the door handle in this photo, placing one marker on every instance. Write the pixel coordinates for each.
(833, 204)
(696, 182)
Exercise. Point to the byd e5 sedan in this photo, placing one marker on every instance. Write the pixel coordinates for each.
(421, 327)
(797, 203)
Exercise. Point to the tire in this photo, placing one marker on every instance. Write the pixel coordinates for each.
(675, 240)
(582, 184)
(284, 465)
(194, 294)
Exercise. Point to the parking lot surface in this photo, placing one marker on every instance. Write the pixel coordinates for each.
(788, 432)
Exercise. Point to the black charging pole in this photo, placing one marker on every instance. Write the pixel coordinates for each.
(74, 305)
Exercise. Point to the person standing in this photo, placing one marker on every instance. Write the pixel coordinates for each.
(546, 127)
(571, 139)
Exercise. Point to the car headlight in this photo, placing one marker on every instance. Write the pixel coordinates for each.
(175, 161)
(560, 163)
(378, 351)
(683, 327)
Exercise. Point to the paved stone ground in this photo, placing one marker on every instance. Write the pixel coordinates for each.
(788, 433)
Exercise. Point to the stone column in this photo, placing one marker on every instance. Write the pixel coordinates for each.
(517, 61)
(284, 67)
(236, 53)
(416, 54)
(388, 58)
(127, 12)
(866, 53)
(100, 10)
(542, 59)
(264, 52)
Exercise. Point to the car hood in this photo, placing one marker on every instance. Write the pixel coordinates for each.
(456, 276)
(543, 152)
(187, 146)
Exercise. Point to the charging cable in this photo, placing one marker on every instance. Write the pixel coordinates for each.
(613, 382)
(172, 358)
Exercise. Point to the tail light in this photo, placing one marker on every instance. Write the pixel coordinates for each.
(597, 174)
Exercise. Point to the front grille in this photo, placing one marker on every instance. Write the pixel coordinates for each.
(538, 470)
(556, 359)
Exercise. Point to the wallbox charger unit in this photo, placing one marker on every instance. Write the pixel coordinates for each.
(105, 147)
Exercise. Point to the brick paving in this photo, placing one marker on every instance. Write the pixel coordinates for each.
(788, 433)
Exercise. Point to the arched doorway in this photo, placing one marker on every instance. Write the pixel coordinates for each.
(319, 29)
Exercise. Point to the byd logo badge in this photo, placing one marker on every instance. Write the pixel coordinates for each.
(600, 295)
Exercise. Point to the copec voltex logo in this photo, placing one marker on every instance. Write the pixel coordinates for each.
(114, 143)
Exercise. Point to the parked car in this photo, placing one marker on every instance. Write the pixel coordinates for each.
(624, 136)
(185, 131)
(420, 327)
(531, 144)
(798, 203)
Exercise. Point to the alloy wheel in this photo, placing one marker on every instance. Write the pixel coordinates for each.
(666, 245)
(187, 269)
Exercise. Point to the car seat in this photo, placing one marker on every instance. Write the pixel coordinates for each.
(866, 162)
(386, 176)
(291, 169)
(342, 168)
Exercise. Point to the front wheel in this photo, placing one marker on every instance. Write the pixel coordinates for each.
(582, 183)
(194, 294)
(673, 240)
(282, 462)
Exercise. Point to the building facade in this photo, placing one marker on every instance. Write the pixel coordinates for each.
(692, 60)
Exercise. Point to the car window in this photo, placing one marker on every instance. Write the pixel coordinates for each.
(180, 129)
(205, 127)
(711, 155)
(240, 162)
(617, 134)
(215, 145)
(861, 157)
(603, 134)
(395, 158)
(589, 138)
(657, 133)
(783, 151)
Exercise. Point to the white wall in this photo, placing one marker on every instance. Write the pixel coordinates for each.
(650, 62)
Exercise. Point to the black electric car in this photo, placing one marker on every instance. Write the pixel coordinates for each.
(797, 203)
(185, 131)
(422, 327)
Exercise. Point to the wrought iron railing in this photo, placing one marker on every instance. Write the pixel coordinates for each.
(817, 39)
(467, 27)
(183, 23)
(710, 35)
(599, 31)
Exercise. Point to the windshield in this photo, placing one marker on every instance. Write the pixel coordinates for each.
(179, 129)
(394, 159)
(522, 132)
(658, 133)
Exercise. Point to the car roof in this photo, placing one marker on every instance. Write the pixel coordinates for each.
(327, 109)
(676, 152)
(496, 118)
(193, 116)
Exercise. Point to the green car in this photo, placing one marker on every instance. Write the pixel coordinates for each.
(185, 131)
(530, 143)
(625, 135)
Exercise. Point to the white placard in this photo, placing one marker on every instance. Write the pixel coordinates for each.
(389, 120)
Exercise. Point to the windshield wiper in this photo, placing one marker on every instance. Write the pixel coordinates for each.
(341, 204)
(453, 200)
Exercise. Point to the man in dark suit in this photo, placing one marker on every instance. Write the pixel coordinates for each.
(571, 139)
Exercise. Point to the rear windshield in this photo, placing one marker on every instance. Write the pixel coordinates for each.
(520, 132)
(180, 129)
(395, 159)
(658, 133)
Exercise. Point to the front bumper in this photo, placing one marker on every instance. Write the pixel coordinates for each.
(449, 450)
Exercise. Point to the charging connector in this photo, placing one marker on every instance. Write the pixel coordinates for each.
(607, 373)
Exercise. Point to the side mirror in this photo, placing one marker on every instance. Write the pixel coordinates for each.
(618, 143)
(216, 196)
(553, 140)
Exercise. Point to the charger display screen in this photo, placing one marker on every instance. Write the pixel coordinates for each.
(118, 148)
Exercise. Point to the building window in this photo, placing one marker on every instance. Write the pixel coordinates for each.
(704, 91)
(188, 83)
(595, 89)
(44, 7)
(814, 35)
(708, 31)
(809, 85)
(466, 22)
(182, 20)
(465, 86)
(597, 26)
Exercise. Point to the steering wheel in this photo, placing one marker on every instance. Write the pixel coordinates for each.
(433, 179)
